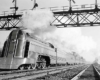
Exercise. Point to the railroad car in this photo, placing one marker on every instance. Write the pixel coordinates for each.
(23, 51)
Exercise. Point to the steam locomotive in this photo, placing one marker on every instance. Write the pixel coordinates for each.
(23, 51)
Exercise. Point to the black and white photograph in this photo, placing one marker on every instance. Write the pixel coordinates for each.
(49, 40)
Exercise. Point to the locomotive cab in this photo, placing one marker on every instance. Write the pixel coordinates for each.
(12, 50)
(16, 53)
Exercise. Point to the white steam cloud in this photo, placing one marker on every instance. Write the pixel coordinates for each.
(38, 21)
(72, 40)
(67, 39)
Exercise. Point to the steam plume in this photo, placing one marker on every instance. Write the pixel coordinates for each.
(72, 40)
(67, 39)
(38, 21)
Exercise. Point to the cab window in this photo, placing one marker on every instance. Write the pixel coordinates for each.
(26, 49)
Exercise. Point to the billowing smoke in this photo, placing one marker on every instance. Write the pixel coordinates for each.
(67, 39)
(38, 21)
(72, 40)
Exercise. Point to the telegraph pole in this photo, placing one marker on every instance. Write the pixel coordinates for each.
(15, 6)
(56, 56)
(34, 4)
(96, 4)
(70, 5)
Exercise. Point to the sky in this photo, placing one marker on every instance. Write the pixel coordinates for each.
(85, 39)
(28, 4)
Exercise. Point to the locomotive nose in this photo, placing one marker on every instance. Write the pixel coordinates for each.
(3, 63)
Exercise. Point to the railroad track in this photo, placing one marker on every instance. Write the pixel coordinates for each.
(63, 75)
(7, 72)
(32, 74)
(90, 73)
(79, 73)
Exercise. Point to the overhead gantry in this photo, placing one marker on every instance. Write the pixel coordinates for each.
(76, 16)
(84, 15)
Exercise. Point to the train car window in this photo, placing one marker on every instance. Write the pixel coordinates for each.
(26, 49)
(11, 47)
(13, 34)
(20, 34)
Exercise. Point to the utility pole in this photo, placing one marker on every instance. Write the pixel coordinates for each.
(96, 4)
(56, 56)
(34, 4)
(15, 6)
(70, 5)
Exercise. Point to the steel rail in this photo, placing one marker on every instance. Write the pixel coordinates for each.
(78, 75)
(35, 74)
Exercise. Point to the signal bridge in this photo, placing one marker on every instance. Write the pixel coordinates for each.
(84, 15)
(76, 16)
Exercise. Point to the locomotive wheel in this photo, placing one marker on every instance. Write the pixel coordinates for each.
(29, 67)
(33, 66)
(43, 64)
(21, 68)
(38, 65)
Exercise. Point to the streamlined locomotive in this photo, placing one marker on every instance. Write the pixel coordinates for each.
(22, 51)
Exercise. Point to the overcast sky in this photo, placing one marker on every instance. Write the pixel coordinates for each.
(28, 4)
(90, 32)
